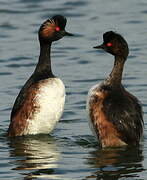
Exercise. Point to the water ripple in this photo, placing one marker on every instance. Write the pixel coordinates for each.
(134, 22)
(77, 3)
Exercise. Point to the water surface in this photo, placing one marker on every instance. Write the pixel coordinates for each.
(70, 152)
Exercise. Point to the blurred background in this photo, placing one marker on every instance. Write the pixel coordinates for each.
(70, 152)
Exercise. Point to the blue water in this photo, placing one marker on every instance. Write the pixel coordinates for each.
(71, 152)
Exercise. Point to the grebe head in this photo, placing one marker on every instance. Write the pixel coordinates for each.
(53, 29)
(114, 44)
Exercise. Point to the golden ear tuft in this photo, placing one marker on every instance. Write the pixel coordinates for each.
(48, 29)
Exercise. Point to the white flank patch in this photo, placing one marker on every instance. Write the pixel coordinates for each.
(51, 99)
(91, 92)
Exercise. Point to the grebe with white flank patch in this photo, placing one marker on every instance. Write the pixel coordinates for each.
(40, 103)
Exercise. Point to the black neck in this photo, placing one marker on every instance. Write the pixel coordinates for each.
(43, 67)
(115, 77)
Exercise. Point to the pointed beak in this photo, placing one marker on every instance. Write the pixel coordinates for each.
(68, 34)
(102, 46)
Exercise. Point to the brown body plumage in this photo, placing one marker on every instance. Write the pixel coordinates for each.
(115, 114)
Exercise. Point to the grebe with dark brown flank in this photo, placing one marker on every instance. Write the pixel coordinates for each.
(115, 114)
(40, 103)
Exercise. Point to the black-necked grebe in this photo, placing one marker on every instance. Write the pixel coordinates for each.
(115, 114)
(40, 103)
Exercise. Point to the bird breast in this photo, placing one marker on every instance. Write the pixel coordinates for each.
(49, 101)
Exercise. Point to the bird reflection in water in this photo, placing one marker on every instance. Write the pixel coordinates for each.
(35, 156)
(114, 164)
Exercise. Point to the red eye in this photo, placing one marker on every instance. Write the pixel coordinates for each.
(57, 28)
(109, 44)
